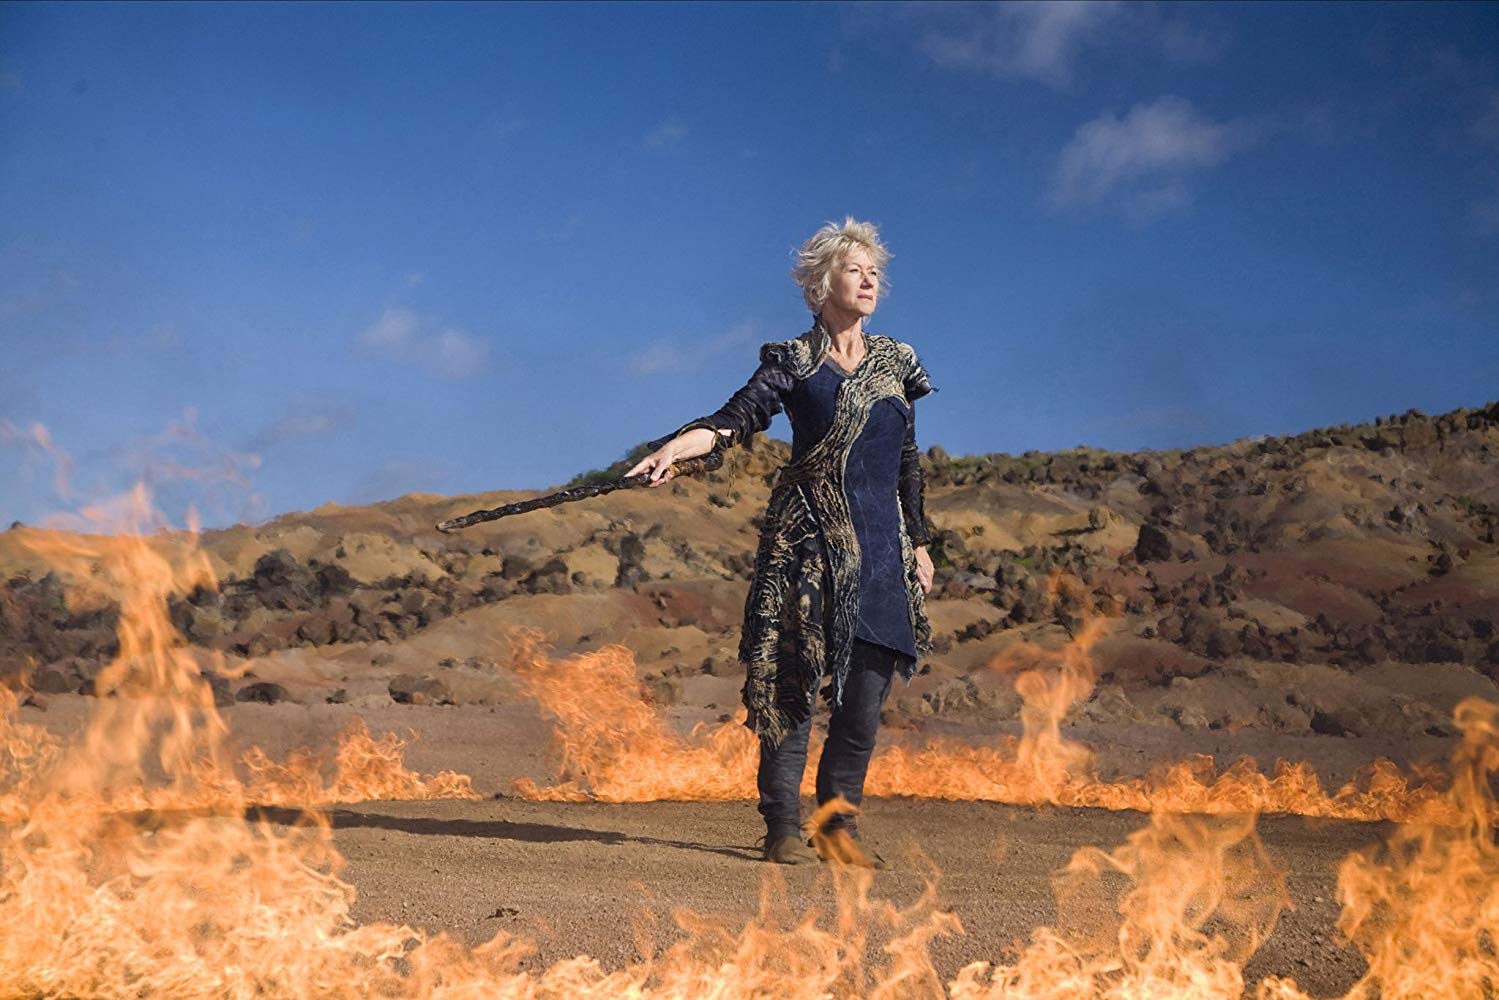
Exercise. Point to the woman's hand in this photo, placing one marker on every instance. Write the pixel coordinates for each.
(925, 571)
(658, 463)
(698, 441)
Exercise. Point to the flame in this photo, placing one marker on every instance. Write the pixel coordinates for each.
(613, 746)
(1201, 896)
(155, 740)
(129, 864)
(1424, 907)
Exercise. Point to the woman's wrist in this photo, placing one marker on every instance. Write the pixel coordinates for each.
(696, 442)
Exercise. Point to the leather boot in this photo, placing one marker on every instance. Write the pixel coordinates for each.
(788, 851)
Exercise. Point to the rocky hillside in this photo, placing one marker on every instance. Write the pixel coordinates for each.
(1344, 580)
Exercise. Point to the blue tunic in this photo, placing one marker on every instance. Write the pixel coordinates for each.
(870, 485)
(815, 590)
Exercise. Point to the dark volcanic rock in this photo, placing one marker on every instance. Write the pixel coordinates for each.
(412, 602)
(740, 564)
(1030, 606)
(284, 583)
(334, 579)
(515, 567)
(631, 555)
(1223, 642)
(52, 680)
(317, 630)
(975, 630)
(551, 577)
(496, 588)
(37, 626)
(409, 689)
(1153, 545)
(1327, 725)
(1442, 651)
(265, 692)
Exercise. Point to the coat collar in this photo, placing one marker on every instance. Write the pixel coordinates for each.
(802, 355)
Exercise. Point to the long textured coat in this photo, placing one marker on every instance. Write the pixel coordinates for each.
(803, 602)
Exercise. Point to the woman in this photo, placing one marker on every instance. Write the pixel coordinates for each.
(842, 566)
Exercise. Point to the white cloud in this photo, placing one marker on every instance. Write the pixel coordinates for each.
(681, 356)
(304, 418)
(1046, 41)
(402, 336)
(666, 135)
(1034, 40)
(393, 333)
(456, 354)
(1146, 156)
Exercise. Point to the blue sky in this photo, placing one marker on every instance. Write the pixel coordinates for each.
(339, 253)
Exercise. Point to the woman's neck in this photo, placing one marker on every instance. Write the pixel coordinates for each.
(845, 330)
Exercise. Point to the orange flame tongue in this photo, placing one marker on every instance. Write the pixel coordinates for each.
(613, 744)
(187, 899)
(1425, 908)
(155, 739)
(1199, 897)
(615, 747)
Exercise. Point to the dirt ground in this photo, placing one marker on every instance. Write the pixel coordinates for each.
(575, 877)
(589, 879)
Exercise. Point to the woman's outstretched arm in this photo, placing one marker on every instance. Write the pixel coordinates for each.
(747, 412)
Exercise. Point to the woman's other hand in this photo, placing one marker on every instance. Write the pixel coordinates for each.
(698, 441)
(925, 571)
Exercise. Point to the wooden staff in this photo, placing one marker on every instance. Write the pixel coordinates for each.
(683, 467)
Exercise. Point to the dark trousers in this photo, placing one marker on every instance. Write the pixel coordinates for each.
(845, 756)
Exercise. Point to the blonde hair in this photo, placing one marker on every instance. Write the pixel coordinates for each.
(827, 248)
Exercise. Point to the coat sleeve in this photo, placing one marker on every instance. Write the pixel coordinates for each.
(912, 488)
(917, 382)
(747, 412)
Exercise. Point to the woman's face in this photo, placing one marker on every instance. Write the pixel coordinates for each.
(855, 286)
